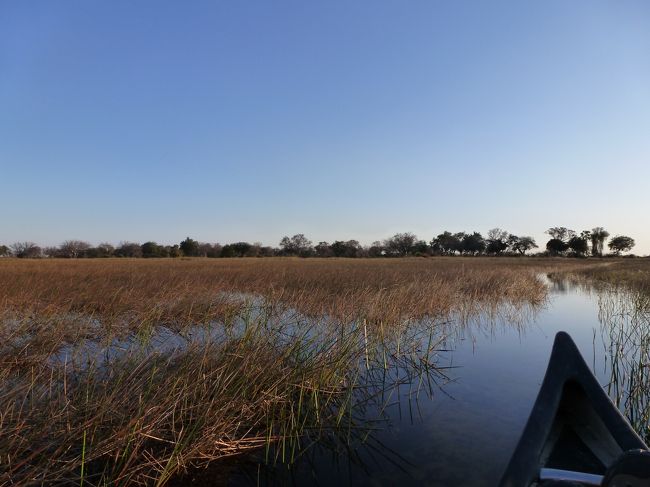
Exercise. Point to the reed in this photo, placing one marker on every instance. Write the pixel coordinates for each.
(134, 371)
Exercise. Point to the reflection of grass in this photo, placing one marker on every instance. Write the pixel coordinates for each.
(304, 349)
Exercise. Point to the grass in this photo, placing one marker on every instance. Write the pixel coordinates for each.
(279, 352)
(630, 273)
(625, 319)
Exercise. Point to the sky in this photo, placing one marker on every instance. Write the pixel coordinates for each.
(251, 120)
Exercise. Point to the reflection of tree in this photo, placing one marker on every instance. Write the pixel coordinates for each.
(625, 327)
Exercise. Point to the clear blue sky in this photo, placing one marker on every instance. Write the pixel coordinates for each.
(250, 120)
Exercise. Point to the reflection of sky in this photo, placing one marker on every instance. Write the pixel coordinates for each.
(465, 433)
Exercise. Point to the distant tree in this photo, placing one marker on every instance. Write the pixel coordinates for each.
(227, 251)
(52, 252)
(296, 245)
(598, 237)
(26, 250)
(242, 249)
(579, 245)
(400, 244)
(266, 251)
(173, 250)
(339, 248)
(105, 249)
(153, 250)
(4, 251)
(72, 249)
(497, 241)
(376, 249)
(128, 249)
(323, 250)
(255, 250)
(421, 248)
(349, 248)
(101, 251)
(561, 233)
(522, 244)
(209, 250)
(473, 243)
(448, 243)
(621, 243)
(555, 246)
(189, 247)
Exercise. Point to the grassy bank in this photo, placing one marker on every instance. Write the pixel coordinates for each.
(264, 351)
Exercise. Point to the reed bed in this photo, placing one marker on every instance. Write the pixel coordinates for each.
(630, 273)
(278, 352)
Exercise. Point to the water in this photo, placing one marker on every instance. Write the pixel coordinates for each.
(463, 429)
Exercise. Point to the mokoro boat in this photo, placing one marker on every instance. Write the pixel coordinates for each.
(574, 432)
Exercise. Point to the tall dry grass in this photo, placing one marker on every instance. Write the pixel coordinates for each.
(630, 273)
(285, 351)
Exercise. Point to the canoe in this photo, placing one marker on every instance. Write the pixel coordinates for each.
(574, 432)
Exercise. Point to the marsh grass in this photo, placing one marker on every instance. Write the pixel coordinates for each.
(625, 327)
(289, 353)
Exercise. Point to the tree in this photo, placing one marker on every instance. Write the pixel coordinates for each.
(473, 243)
(376, 249)
(152, 250)
(579, 245)
(173, 250)
(448, 243)
(296, 245)
(208, 250)
(421, 248)
(400, 244)
(227, 251)
(323, 250)
(26, 250)
(621, 243)
(555, 246)
(521, 244)
(598, 237)
(4, 251)
(266, 251)
(52, 252)
(242, 249)
(497, 241)
(128, 249)
(561, 233)
(189, 247)
(72, 249)
(105, 249)
(102, 250)
(351, 248)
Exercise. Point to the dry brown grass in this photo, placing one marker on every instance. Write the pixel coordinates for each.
(143, 416)
(182, 291)
(633, 273)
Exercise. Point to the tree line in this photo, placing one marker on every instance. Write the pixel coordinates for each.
(563, 242)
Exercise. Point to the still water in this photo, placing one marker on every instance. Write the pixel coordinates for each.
(461, 429)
